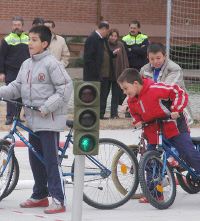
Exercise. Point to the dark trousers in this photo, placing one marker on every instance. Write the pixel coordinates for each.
(106, 85)
(185, 147)
(47, 145)
(11, 108)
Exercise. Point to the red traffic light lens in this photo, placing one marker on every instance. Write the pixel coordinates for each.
(87, 118)
(87, 94)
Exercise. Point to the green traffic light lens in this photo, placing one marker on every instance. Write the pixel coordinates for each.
(87, 118)
(87, 143)
(87, 94)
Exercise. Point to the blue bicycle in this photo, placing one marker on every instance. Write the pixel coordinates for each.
(157, 177)
(100, 190)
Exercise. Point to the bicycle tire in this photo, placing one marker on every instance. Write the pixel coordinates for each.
(154, 186)
(118, 184)
(7, 175)
(101, 192)
(14, 178)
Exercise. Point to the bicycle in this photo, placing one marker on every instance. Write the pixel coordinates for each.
(156, 176)
(99, 189)
(138, 150)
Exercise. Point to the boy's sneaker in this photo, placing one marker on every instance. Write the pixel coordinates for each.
(145, 200)
(55, 207)
(30, 203)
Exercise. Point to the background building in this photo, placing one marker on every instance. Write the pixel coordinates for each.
(79, 17)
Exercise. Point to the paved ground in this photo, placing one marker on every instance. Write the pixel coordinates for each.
(186, 207)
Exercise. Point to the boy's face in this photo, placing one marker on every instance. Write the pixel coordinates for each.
(36, 46)
(156, 59)
(130, 89)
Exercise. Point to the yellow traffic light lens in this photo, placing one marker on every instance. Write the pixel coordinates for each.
(87, 94)
(87, 118)
(86, 143)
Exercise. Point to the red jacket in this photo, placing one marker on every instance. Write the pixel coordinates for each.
(148, 106)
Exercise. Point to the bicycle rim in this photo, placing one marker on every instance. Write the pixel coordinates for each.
(7, 174)
(100, 190)
(157, 185)
(14, 178)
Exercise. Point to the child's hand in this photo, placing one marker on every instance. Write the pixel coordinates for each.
(138, 125)
(42, 113)
(175, 115)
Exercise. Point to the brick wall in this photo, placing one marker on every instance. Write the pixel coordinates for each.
(78, 17)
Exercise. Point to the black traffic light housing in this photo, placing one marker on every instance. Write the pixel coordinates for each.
(86, 117)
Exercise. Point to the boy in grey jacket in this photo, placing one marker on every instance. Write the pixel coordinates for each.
(162, 69)
(43, 82)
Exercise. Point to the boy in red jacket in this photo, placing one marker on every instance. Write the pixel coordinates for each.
(148, 101)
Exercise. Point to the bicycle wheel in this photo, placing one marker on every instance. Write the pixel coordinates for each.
(5, 178)
(118, 162)
(99, 188)
(158, 184)
(14, 178)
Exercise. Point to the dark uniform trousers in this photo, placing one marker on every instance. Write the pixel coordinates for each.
(47, 145)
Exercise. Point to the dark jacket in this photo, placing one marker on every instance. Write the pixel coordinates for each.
(136, 48)
(13, 52)
(93, 57)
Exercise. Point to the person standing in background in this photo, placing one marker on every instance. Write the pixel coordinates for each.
(120, 62)
(98, 62)
(37, 21)
(13, 52)
(94, 53)
(136, 46)
(58, 46)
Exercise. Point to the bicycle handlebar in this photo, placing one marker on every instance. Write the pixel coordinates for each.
(158, 120)
(20, 104)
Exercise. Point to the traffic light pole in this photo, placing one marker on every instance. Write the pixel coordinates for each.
(78, 187)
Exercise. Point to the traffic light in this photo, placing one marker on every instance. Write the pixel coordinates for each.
(86, 117)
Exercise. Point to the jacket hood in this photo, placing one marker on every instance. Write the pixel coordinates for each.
(147, 82)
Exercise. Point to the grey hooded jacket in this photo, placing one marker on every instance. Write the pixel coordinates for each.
(42, 82)
(170, 73)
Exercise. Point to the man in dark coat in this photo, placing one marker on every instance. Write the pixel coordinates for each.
(94, 52)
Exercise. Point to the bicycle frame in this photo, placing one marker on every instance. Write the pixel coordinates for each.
(14, 130)
(165, 145)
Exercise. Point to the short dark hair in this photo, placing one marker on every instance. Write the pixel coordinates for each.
(136, 22)
(18, 18)
(130, 75)
(43, 32)
(38, 21)
(51, 22)
(155, 48)
(103, 24)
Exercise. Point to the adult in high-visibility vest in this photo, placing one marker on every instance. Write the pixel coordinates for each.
(13, 51)
(136, 46)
